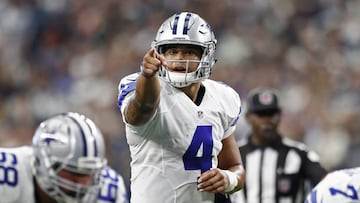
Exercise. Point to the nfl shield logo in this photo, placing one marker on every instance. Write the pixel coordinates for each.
(284, 185)
(200, 114)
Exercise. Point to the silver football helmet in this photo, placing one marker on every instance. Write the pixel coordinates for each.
(187, 28)
(73, 143)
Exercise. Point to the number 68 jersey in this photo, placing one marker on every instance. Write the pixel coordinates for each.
(181, 141)
(17, 181)
(341, 186)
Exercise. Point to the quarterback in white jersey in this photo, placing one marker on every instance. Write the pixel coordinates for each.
(65, 164)
(179, 123)
(341, 186)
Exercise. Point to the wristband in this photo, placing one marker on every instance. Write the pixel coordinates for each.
(233, 180)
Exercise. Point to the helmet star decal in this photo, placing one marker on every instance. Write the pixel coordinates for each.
(56, 135)
(54, 139)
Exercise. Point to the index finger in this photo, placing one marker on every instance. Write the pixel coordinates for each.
(152, 53)
(161, 58)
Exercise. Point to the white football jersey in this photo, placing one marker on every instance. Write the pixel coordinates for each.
(181, 141)
(17, 181)
(341, 186)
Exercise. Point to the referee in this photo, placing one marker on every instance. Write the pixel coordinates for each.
(278, 169)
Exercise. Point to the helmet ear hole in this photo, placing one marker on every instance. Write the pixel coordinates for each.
(37, 162)
(56, 166)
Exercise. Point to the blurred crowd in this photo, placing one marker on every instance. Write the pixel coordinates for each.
(66, 55)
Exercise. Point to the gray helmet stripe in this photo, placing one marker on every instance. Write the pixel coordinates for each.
(85, 149)
(87, 133)
(92, 131)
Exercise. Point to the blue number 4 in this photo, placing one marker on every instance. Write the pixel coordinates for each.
(352, 194)
(202, 136)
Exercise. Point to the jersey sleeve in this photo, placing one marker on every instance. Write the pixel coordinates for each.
(232, 109)
(112, 189)
(126, 88)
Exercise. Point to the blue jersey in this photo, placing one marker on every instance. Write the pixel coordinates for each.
(17, 181)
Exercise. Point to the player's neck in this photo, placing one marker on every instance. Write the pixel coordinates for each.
(192, 91)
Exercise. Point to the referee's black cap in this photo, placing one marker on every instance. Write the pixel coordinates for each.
(263, 100)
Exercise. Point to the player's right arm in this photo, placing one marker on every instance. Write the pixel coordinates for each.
(144, 103)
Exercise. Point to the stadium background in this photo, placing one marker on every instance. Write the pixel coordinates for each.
(65, 55)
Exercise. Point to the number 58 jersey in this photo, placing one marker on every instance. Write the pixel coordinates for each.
(17, 181)
(181, 141)
(341, 186)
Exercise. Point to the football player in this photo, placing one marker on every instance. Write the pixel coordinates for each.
(180, 124)
(341, 186)
(65, 164)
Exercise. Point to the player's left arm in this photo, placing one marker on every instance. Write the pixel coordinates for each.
(229, 177)
(230, 159)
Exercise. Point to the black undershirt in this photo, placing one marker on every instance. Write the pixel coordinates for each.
(200, 95)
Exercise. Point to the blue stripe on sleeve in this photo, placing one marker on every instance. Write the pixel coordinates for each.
(313, 197)
(124, 90)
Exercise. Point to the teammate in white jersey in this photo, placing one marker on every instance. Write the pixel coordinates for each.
(341, 186)
(180, 124)
(65, 164)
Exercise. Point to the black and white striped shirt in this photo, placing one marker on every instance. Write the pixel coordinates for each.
(278, 173)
